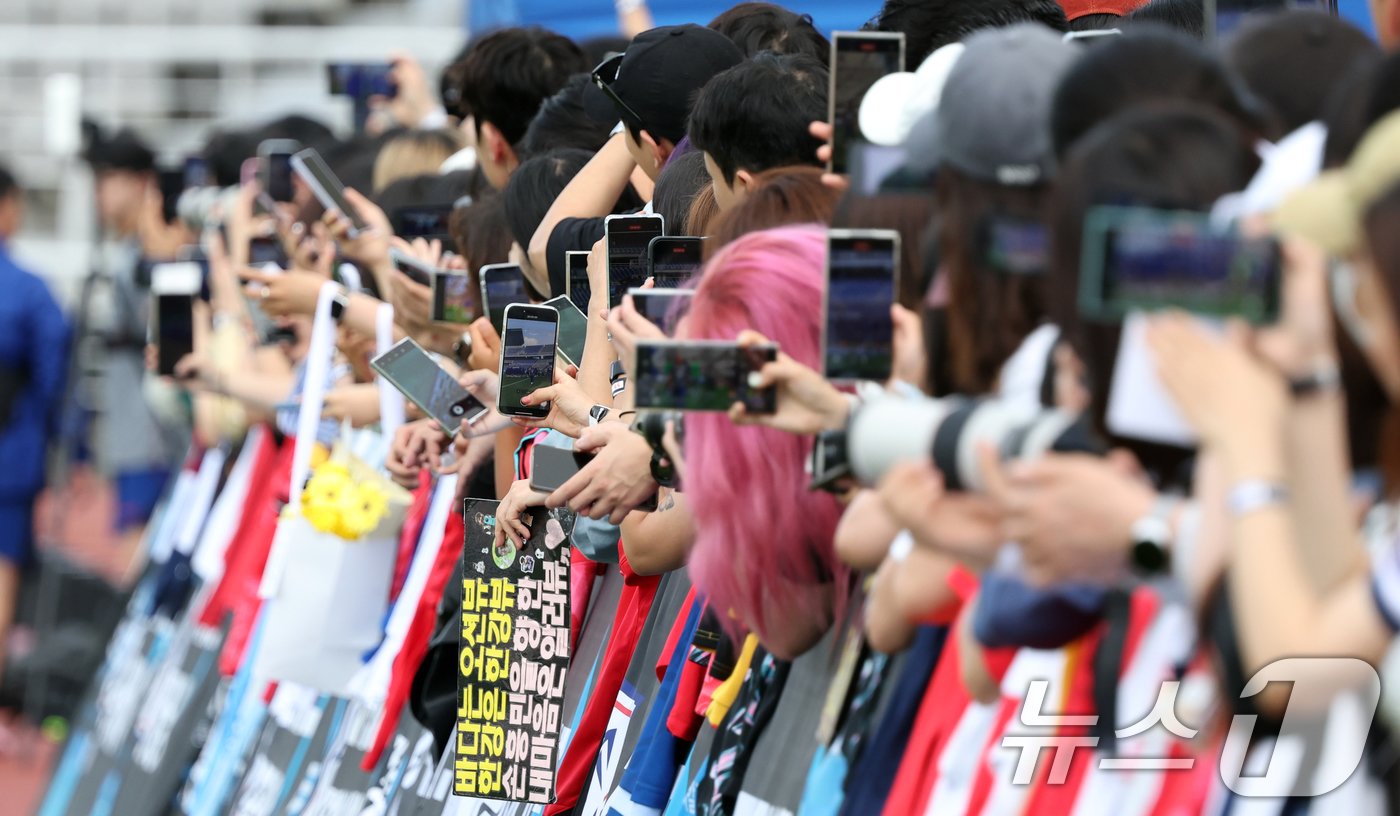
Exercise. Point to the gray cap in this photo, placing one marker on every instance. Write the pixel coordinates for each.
(993, 122)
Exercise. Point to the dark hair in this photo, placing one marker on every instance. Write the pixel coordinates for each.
(480, 234)
(759, 27)
(8, 184)
(703, 211)
(1173, 155)
(1385, 95)
(534, 186)
(597, 49)
(564, 121)
(1347, 113)
(1295, 60)
(304, 129)
(508, 74)
(1185, 16)
(781, 196)
(1095, 22)
(928, 25)
(448, 188)
(123, 150)
(1141, 66)
(680, 182)
(909, 214)
(755, 115)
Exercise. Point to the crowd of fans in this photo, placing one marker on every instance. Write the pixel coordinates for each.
(1042, 494)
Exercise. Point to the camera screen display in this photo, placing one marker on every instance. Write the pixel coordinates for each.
(1139, 259)
(453, 299)
(551, 467)
(527, 359)
(859, 60)
(1016, 246)
(859, 333)
(579, 289)
(664, 307)
(174, 330)
(628, 240)
(701, 376)
(501, 286)
(359, 80)
(265, 250)
(428, 385)
(422, 222)
(573, 329)
(674, 261)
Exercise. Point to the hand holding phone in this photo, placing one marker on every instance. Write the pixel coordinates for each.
(313, 170)
(275, 168)
(858, 59)
(174, 287)
(857, 330)
(528, 346)
(428, 385)
(501, 286)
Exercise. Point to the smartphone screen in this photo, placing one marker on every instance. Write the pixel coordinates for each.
(276, 167)
(674, 261)
(266, 249)
(423, 222)
(428, 385)
(573, 329)
(501, 286)
(1015, 246)
(1143, 259)
(453, 298)
(528, 346)
(577, 287)
(858, 334)
(196, 172)
(700, 375)
(174, 331)
(629, 237)
(327, 188)
(551, 467)
(359, 80)
(663, 307)
(1223, 17)
(858, 60)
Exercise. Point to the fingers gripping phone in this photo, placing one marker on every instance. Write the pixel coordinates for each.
(858, 59)
(428, 385)
(628, 239)
(174, 287)
(857, 332)
(275, 167)
(673, 261)
(529, 340)
(701, 375)
(328, 190)
(501, 286)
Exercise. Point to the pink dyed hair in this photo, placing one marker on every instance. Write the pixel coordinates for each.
(763, 541)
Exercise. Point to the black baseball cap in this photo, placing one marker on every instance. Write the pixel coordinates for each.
(658, 77)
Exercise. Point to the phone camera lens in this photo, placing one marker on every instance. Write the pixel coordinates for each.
(458, 410)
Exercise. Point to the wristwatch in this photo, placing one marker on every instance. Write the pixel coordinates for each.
(339, 301)
(1152, 537)
(597, 414)
(1326, 377)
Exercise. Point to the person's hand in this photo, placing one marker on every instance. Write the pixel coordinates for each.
(486, 346)
(823, 131)
(159, 240)
(240, 224)
(910, 362)
(195, 371)
(416, 445)
(627, 326)
(568, 406)
(617, 480)
(286, 293)
(965, 525)
(371, 245)
(512, 514)
(356, 402)
(1302, 342)
(807, 403)
(412, 101)
(598, 301)
(1072, 513)
(1233, 399)
(477, 452)
(412, 302)
(486, 386)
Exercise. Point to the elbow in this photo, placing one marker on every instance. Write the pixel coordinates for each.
(538, 251)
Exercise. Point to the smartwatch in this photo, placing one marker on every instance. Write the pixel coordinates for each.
(1321, 379)
(1152, 536)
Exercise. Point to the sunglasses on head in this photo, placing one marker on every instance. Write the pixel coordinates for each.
(604, 76)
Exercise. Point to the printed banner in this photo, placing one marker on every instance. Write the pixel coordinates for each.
(514, 655)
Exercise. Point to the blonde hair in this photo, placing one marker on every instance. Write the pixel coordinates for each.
(414, 153)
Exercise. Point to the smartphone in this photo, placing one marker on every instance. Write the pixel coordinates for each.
(1139, 259)
(416, 270)
(858, 60)
(326, 187)
(573, 329)
(529, 341)
(1222, 17)
(174, 287)
(428, 385)
(266, 330)
(1015, 246)
(857, 331)
(196, 172)
(266, 249)
(423, 222)
(701, 375)
(674, 260)
(551, 467)
(454, 300)
(577, 285)
(663, 307)
(501, 286)
(874, 169)
(360, 80)
(275, 167)
(628, 239)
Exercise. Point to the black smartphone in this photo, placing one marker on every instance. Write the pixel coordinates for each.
(551, 467)
(174, 286)
(628, 238)
(573, 329)
(313, 170)
(360, 80)
(858, 60)
(423, 222)
(501, 286)
(1136, 258)
(577, 285)
(267, 249)
(701, 375)
(275, 167)
(663, 307)
(857, 332)
(428, 385)
(674, 261)
(454, 299)
(417, 271)
(529, 341)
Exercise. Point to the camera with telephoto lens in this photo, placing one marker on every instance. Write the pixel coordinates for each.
(202, 207)
(652, 426)
(885, 432)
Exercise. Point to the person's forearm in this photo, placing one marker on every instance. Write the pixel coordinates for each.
(595, 370)
(258, 390)
(1319, 482)
(362, 315)
(660, 541)
(591, 194)
(507, 440)
(865, 531)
